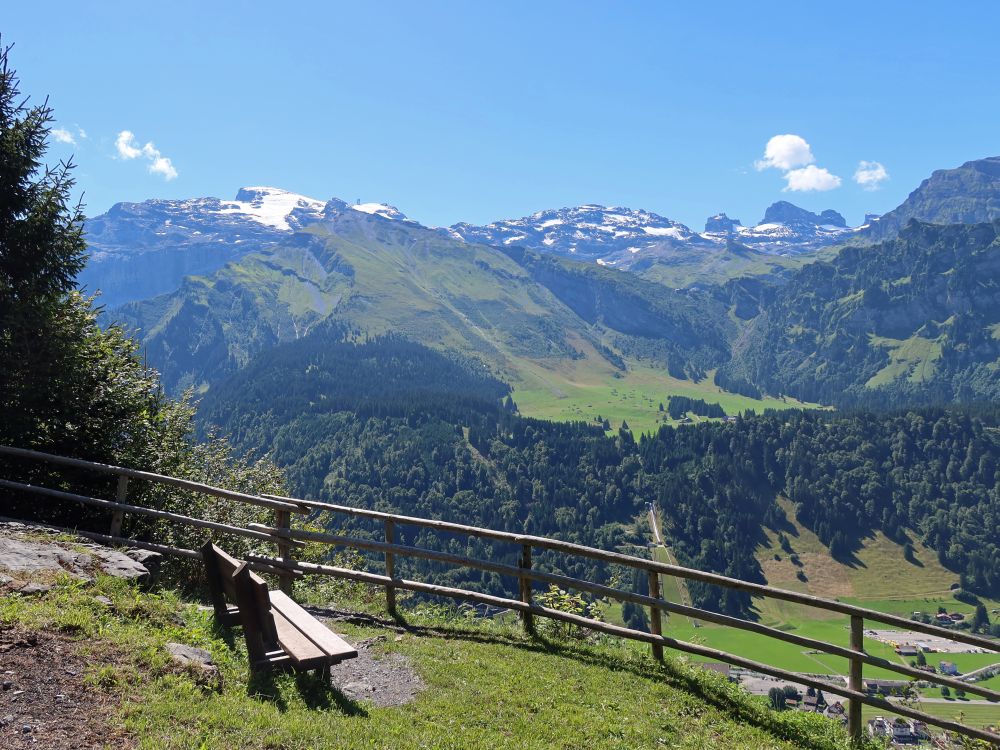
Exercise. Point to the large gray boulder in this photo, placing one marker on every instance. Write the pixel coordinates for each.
(29, 553)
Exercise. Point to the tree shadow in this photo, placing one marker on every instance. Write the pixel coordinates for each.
(712, 689)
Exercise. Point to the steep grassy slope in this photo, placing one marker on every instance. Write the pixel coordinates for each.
(485, 685)
(716, 265)
(377, 275)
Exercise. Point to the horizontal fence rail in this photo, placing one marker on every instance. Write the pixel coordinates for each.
(286, 540)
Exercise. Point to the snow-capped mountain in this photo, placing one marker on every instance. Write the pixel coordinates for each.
(785, 229)
(610, 236)
(140, 250)
(623, 237)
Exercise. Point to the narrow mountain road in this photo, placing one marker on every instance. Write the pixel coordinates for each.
(653, 524)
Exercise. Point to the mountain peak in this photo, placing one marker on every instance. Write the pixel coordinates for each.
(969, 194)
(787, 213)
(720, 223)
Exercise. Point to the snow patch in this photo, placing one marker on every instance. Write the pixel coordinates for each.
(379, 209)
(664, 232)
(269, 206)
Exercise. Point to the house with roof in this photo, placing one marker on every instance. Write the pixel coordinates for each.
(948, 667)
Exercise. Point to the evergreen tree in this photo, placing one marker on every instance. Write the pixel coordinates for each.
(981, 619)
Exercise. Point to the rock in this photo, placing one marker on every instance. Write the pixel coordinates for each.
(103, 600)
(32, 589)
(151, 561)
(721, 223)
(121, 566)
(40, 556)
(8, 719)
(185, 655)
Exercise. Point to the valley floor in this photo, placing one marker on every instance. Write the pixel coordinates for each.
(574, 391)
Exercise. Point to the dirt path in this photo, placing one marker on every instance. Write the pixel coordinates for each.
(44, 701)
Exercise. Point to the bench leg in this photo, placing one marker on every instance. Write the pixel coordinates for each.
(324, 673)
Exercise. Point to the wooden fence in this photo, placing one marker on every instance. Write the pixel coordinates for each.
(286, 539)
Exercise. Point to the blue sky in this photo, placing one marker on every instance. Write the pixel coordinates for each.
(462, 111)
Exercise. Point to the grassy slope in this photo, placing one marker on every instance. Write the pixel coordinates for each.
(686, 268)
(487, 686)
(582, 390)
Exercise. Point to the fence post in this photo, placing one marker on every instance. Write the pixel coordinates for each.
(283, 520)
(655, 624)
(527, 618)
(855, 682)
(118, 516)
(390, 566)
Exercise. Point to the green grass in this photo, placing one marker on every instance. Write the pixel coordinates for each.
(487, 685)
(582, 391)
(913, 358)
(974, 714)
(684, 268)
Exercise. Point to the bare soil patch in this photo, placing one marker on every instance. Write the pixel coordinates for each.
(44, 699)
(385, 681)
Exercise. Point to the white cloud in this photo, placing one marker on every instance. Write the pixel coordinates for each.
(870, 175)
(63, 136)
(82, 133)
(128, 148)
(811, 178)
(793, 155)
(786, 152)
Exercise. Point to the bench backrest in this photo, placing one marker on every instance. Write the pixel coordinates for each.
(255, 613)
(231, 580)
(220, 567)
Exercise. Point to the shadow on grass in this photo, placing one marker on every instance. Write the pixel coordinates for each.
(703, 685)
(315, 690)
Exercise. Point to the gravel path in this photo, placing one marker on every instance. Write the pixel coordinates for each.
(387, 680)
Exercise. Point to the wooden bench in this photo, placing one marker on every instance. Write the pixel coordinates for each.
(278, 632)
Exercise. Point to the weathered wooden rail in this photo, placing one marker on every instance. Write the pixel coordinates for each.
(286, 539)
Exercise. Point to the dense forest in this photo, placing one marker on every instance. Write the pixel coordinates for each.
(680, 406)
(931, 474)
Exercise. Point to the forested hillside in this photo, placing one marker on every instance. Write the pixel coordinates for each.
(909, 321)
(394, 442)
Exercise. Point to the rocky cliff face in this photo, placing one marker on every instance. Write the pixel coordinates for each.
(139, 250)
(784, 212)
(968, 194)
